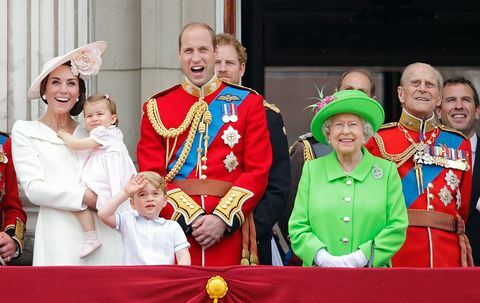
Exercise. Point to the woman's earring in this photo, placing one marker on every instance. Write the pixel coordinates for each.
(78, 99)
(329, 142)
(44, 97)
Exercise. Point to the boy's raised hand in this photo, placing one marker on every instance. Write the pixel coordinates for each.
(135, 184)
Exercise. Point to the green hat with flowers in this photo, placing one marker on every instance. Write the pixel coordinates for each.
(346, 102)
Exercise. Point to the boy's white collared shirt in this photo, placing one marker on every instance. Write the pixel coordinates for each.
(149, 242)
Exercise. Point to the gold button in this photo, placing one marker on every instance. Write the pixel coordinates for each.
(345, 240)
(430, 207)
(349, 182)
(184, 200)
(347, 199)
(224, 206)
(233, 195)
(430, 185)
(191, 206)
(181, 197)
(346, 219)
(203, 177)
(187, 203)
(228, 202)
(431, 196)
(204, 167)
(230, 199)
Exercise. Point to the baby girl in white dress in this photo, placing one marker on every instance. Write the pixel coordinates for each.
(108, 166)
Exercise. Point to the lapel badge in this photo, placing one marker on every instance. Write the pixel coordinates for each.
(230, 136)
(377, 172)
(230, 162)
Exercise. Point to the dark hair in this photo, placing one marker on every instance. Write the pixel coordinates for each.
(364, 72)
(201, 25)
(461, 80)
(228, 39)
(112, 106)
(78, 107)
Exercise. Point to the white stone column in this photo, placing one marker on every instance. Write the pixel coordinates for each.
(17, 37)
(118, 22)
(3, 64)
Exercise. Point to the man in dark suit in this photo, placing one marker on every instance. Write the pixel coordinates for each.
(460, 110)
(230, 66)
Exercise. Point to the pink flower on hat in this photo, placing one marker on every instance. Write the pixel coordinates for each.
(322, 101)
(87, 62)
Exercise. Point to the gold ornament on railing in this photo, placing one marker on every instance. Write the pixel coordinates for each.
(216, 288)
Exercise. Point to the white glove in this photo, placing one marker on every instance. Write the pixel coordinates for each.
(356, 259)
(324, 259)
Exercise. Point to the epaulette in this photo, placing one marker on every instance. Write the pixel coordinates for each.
(241, 87)
(164, 92)
(306, 140)
(389, 125)
(305, 136)
(452, 130)
(271, 107)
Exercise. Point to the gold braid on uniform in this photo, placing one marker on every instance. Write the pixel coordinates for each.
(398, 159)
(197, 113)
(307, 151)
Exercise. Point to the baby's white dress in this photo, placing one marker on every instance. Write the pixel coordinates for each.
(109, 166)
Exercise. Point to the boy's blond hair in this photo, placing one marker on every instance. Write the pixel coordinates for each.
(156, 180)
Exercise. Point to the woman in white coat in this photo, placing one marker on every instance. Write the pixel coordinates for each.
(49, 171)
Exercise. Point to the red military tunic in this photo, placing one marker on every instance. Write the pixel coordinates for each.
(12, 215)
(445, 190)
(238, 155)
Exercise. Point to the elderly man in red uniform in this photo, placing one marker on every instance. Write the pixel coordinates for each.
(12, 215)
(434, 163)
(210, 141)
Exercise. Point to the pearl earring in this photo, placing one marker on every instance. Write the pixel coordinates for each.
(44, 97)
(78, 99)
(329, 142)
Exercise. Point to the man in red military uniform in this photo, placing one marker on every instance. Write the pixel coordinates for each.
(210, 141)
(12, 215)
(434, 163)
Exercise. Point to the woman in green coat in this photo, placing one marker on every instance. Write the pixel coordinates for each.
(349, 210)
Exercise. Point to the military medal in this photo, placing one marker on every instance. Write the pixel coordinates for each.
(230, 136)
(451, 179)
(233, 115)
(445, 196)
(226, 116)
(230, 162)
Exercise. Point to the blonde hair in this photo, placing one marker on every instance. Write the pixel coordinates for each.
(155, 179)
(112, 106)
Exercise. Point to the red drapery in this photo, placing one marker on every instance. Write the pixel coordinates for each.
(245, 284)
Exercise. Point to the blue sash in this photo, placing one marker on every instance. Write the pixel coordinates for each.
(215, 107)
(430, 172)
